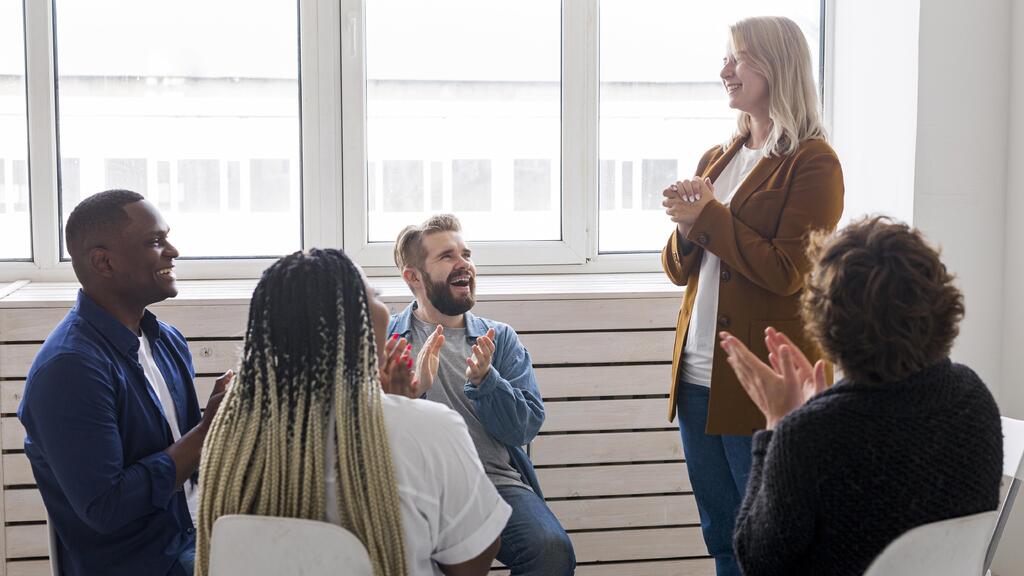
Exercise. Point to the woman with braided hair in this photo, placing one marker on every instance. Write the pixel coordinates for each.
(308, 432)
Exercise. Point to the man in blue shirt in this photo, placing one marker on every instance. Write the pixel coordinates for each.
(114, 431)
(484, 373)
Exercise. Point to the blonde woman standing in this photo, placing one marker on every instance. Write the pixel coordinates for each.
(741, 228)
(307, 432)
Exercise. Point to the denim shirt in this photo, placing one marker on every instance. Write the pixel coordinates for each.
(507, 401)
(96, 436)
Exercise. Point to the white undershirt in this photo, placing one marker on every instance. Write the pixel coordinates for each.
(156, 380)
(699, 351)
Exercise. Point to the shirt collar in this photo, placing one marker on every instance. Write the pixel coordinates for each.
(475, 327)
(117, 333)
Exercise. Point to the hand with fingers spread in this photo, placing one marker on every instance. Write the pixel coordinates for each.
(429, 359)
(396, 371)
(780, 388)
(685, 199)
(479, 363)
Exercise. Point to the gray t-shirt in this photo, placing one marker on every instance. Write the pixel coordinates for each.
(448, 390)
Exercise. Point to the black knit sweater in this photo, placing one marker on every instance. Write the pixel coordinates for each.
(860, 464)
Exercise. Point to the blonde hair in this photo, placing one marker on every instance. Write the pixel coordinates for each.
(776, 47)
(309, 351)
(409, 245)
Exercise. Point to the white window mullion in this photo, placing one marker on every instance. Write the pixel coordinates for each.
(42, 130)
(353, 121)
(579, 126)
(320, 65)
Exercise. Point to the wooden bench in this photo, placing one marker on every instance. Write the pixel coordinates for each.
(610, 463)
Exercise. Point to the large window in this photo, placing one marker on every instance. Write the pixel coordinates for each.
(181, 102)
(662, 103)
(549, 127)
(15, 221)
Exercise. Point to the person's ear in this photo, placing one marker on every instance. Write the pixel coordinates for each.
(100, 262)
(412, 277)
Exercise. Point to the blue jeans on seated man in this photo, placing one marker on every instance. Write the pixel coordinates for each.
(533, 542)
(718, 467)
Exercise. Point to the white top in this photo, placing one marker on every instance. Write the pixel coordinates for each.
(701, 333)
(156, 380)
(450, 511)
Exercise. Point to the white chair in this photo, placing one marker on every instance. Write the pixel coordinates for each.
(53, 544)
(265, 546)
(1013, 467)
(954, 547)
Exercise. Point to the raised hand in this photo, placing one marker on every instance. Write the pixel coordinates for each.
(479, 363)
(429, 359)
(812, 378)
(685, 199)
(396, 371)
(220, 388)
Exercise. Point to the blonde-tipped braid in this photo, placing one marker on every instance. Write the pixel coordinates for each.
(309, 351)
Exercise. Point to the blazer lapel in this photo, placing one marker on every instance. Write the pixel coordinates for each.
(753, 182)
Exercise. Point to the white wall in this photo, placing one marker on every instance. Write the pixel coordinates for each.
(1010, 560)
(961, 163)
(874, 92)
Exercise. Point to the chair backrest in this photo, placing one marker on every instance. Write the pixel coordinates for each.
(264, 546)
(1013, 448)
(1013, 467)
(954, 547)
(53, 544)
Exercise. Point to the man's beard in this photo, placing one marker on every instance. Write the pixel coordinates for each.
(441, 297)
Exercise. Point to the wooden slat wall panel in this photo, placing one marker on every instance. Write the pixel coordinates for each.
(561, 449)
(574, 348)
(607, 458)
(587, 381)
(630, 479)
(628, 414)
(650, 544)
(34, 568)
(630, 512)
(690, 567)
(27, 541)
(228, 320)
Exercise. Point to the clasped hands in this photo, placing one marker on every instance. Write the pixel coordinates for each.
(685, 199)
(400, 375)
(784, 386)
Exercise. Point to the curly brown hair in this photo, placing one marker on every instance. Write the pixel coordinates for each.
(880, 301)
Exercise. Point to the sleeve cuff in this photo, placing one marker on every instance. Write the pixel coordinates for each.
(487, 533)
(486, 386)
(161, 478)
(761, 440)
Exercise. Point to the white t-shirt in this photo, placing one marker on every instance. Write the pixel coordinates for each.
(701, 333)
(156, 380)
(450, 511)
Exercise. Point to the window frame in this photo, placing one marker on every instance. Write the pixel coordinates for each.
(333, 152)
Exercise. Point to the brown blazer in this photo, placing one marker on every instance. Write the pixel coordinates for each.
(761, 239)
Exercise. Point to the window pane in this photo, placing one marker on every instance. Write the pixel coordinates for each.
(15, 221)
(663, 105)
(181, 103)
(466, 118)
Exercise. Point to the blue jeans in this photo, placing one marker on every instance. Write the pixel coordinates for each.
(533, 542)
(187, 559)
(718, 467)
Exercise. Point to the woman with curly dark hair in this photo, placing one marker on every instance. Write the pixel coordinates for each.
(907, 438)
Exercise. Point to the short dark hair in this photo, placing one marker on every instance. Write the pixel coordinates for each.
(409, 245)
(880, 301)
(100, 212)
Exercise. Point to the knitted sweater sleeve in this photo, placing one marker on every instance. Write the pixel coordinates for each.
(775, 525)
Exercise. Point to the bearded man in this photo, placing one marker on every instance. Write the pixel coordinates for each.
(485, 374)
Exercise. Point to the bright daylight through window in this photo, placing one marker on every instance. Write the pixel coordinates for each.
(15, 221)
(177, 101)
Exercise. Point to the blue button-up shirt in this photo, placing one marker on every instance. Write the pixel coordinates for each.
(96, 435)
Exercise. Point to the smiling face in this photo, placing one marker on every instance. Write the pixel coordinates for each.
(448, 274)
(141, 258)
(746, 86)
